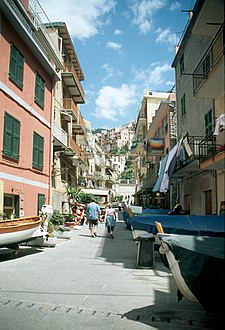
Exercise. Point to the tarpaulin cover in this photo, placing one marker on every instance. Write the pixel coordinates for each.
(203, 225)
(155, 211)
(201, 263)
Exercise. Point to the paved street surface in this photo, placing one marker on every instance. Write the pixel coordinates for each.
(91, 283)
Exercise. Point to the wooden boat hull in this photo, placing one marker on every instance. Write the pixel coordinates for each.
(20, 230)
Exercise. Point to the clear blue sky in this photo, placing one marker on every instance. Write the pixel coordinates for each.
(125, 47)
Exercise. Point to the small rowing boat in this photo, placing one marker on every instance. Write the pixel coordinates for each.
(15, 231)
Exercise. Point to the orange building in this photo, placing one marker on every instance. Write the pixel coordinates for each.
(27, 78)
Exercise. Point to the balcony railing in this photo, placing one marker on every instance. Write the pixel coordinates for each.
(75, 147)
(69, 104)
(185, 158)
(209, 149)
(60, 135)
(209, 60)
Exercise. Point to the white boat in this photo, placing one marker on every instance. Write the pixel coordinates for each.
(15, 231)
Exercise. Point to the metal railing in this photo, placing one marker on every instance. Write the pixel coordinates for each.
(193, 142)
(209, 60)
(208, 149)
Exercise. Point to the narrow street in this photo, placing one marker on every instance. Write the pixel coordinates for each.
(90, 283)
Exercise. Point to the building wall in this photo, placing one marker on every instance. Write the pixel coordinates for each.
(19, 178)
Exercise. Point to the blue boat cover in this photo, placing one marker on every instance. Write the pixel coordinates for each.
(155, 211)
(198, 225)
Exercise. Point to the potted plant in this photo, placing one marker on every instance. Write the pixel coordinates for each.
(62, 232)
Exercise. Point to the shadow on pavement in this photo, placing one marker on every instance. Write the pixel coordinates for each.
(23, 251)
(164, 315)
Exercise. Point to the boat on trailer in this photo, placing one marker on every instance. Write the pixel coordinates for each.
(16, 231)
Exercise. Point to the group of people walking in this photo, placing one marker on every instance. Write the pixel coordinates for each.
(93, 212)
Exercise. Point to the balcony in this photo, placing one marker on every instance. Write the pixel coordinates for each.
(70, 106)
(74, 149)
(18, 18)
(70, 78)
(151, 177)
(78, 123)
(211, 155)
(60, 138)
(208, 77)
(188, 161)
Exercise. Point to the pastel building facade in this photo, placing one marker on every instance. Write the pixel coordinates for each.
(27, 78)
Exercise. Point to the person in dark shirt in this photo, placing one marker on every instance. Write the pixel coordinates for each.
(177, 210)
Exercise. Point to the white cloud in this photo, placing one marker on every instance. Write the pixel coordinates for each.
(153, 77)
(109, 71)
(113, 103)
(175, 5)
(166, 37)
(143, 12)
(113, 45)
(83, 18)
(118, 32)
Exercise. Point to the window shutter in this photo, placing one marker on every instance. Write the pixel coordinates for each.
(20, 69)
(7, 140)
(42, 92)
(41, 152)
(35, 150)
(38, 151)
(13, 61)
(16, 139)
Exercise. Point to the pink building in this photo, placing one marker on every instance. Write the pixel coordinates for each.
(26, 84)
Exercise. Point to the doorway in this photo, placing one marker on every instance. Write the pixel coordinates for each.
(208, 202)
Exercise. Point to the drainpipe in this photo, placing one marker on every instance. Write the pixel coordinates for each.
(216, 192)
(49, 199)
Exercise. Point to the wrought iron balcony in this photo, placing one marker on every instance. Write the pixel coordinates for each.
(188, 159)
(211, 154)
(208, 77)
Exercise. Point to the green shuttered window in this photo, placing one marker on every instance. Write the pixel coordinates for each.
(208, 123)
(39, 91)
(16, 66)
(11, 137)
(38, 151)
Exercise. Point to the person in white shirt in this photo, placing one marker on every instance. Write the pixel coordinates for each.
(110, 219)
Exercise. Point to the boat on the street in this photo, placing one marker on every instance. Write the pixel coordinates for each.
(197, 225)
(198, 267)
(16, 231)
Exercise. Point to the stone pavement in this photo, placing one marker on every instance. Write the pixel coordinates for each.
(91, 283)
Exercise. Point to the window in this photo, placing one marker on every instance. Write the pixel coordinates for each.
(39, 91)
(183, 108)
(208, 123)
(16, 66)
(38, 151)
(40, 202)
(11, 138)
(181, 65)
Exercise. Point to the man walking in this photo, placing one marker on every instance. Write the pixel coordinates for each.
(93, 214)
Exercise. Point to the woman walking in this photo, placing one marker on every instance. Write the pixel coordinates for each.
(110, 219)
